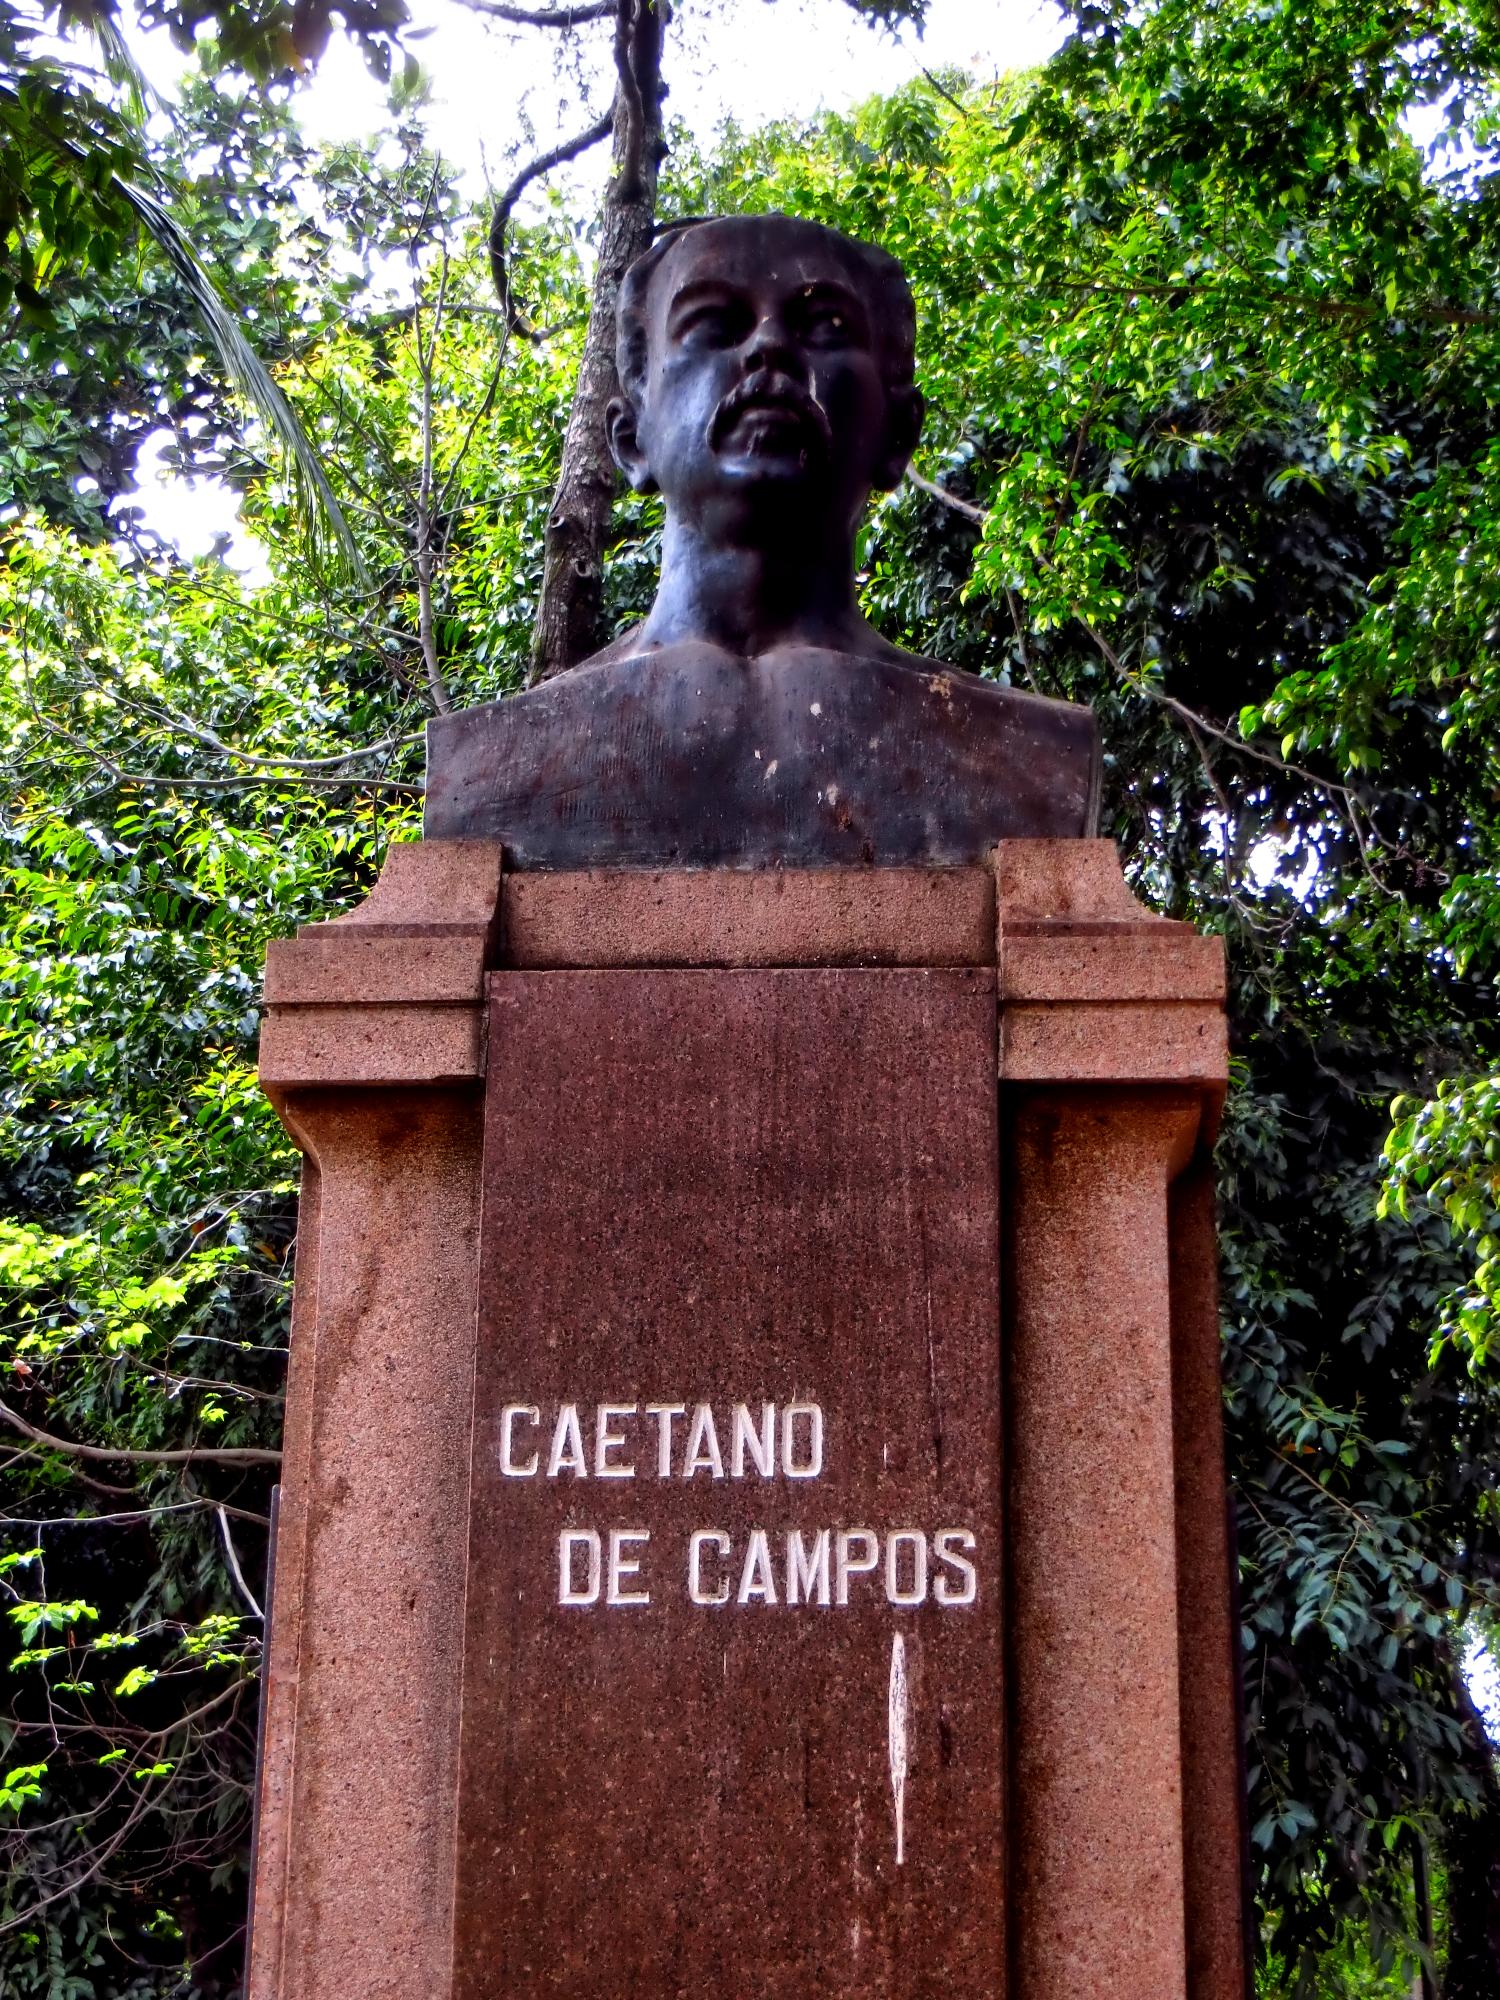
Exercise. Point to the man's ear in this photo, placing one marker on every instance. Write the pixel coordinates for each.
(625, 444)
(904, 411)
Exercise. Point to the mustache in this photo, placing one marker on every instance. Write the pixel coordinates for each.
(769, 392)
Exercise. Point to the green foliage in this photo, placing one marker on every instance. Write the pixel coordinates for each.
(1446, 1151)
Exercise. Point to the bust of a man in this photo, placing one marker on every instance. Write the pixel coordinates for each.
(756, 718)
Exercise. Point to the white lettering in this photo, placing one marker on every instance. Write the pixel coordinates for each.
(664, 1413)
(756, 1580)
(943, 1548)
(917, 1594)
(569, 1540)
(812, 1465)
(567, 1445)
(701, 1539)
(806, 1568)
(606, 1441)
(760, 1445)
(703, 1453)
(508, 1415)
(847, 1566)
(620, 1567)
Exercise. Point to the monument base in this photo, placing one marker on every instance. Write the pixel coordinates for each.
(753, 1517)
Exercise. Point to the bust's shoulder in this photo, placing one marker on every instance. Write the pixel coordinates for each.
(690, 755)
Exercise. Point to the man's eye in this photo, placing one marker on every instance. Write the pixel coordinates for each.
(827, 323)
(709, 326)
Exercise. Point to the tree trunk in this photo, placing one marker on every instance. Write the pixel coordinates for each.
(569, 614)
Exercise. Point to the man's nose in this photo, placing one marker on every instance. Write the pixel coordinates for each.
(772, 348)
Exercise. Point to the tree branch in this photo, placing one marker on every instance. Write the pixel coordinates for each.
(132, 1514)
(965, 507)
(569, 610)
(544, 17)
(1191, 716)
(1260, 300)
(189, 1455)
(630, 151)
(234, 1566)
(437, 687)
(558, 156)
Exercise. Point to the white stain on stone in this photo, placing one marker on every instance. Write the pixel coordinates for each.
(896, 1737)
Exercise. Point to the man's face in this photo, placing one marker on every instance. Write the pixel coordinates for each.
(763, 382)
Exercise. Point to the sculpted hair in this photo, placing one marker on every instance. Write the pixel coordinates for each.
(893, 313)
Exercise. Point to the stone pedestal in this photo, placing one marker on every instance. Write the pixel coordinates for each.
(907, 1669)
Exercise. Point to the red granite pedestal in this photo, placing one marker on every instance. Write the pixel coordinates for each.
(753, 1520)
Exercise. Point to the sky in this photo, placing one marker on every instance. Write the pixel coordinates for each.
(750, 59)
(500, 95)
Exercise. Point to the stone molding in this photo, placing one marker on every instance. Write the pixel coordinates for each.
(1096, 988)
(392, 991)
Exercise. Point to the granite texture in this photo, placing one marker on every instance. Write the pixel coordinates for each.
(1096, 1817)
(1073, 882)
(271, 1889)
(779, 1188)
(356, 1843)
(344, 965)
(781, 916)
(1095, 988)
(372, 1049)
(430, 889)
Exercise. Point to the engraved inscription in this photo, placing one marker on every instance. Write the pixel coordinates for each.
(823, 1567)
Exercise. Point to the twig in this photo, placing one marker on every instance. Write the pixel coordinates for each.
(1194, 719)
(86, 1875)
(1014, 609)
(163, 714)
(1190, 716)
(204, 1382)
(486, 404)
(155, 781)
(943, 91)
(189, 1455)
(134, 1514)
(965, 507)
(1260, 299)
(234, 1565)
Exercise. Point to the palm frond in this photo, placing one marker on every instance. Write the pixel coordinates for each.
(248, 373)
(121, 67)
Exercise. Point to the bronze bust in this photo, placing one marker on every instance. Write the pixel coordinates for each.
(756, 718)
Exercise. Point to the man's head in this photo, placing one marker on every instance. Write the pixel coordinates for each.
(765, 362)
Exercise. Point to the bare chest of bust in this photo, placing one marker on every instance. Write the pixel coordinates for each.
(691, 757)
